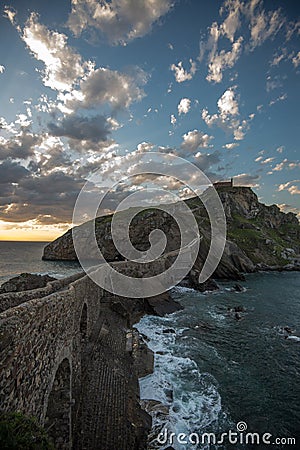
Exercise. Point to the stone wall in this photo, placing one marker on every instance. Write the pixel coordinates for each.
(84, 330)
(11, 299)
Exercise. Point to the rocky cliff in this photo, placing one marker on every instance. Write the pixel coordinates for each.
(258, 236)
(266, 235)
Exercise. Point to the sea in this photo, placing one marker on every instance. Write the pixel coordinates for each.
(219, 375)
(226, 382)
(19, 257)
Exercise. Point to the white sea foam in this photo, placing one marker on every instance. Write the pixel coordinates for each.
(218, 317)
(192, 397)
(294, 338)
(183, 289)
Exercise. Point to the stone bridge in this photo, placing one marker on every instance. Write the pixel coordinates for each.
(70, 359)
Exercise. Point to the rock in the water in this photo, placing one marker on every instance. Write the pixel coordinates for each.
(163, 304)
(192, 281)
(238, 288)
(25, 282)
(239, 309)
(169, 394)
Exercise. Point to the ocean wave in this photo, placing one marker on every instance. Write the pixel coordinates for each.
(184, 290)
(294, 338)
(190, 397)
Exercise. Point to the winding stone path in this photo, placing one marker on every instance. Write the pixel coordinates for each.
(108, 393)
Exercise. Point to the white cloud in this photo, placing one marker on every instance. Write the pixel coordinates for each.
(63, 66)
(102, 86)
(289, 208)
(245, 179)
(278, 57)
(296, 60)
(293, 28)
(293, 189)
(262, 25)
(227, 116)
(239, 133)
(184, 106)
(272, 84)
(267, 160)
(81, 85)
(145, 147)
(231, 145)
(286, 164)
(10, 14)
(181, 74)
(278, 99)
(232, 22)
(2, 68)
(218, 62)
(120, 20)
(173, 119)
(23, 120)
(227, 104)
(195, 139)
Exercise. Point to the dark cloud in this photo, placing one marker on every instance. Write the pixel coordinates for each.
(11, 172)
(95, 129)
(55, 186)
(20, 146)
(52, 195)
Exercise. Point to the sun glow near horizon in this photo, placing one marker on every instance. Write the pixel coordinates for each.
(32, 232)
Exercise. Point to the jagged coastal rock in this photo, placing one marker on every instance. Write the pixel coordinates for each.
(25, 282)
(259, 237)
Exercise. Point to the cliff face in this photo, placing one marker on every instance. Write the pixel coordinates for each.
(266, 235)
(258, 236)
(243, 202)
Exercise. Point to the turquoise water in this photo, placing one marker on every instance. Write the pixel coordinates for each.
(18, 257)
(221, 370)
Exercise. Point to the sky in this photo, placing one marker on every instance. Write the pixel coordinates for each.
(85, 82)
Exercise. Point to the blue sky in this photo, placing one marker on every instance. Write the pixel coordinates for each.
(84, 82)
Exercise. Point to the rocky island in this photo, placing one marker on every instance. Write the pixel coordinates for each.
(259, 237)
